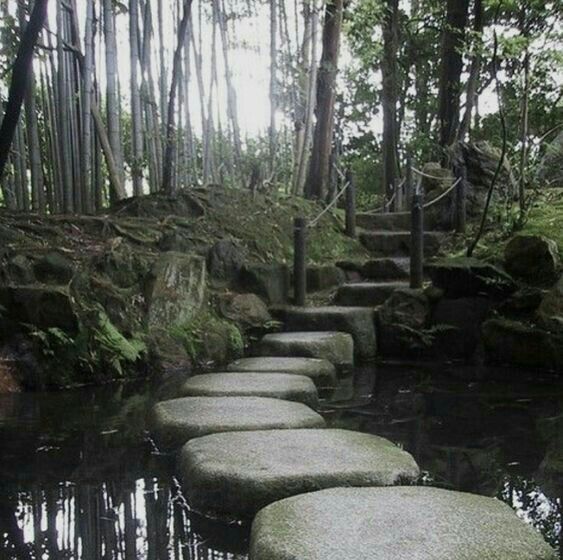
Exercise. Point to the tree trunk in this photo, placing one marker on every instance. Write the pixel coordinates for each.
(167, 184)
(273, 82)
(319, 168)
(389, 94)
(136, 116)
(20, 81)
(453, 36)
(87, 98)
(112, 88)
(475, 70)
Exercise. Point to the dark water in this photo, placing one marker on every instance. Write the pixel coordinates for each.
(81, 479)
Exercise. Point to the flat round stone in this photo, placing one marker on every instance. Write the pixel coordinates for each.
(176, 421)
(335, 347)
(276, 385)
(401, 523)
(322, 372)
(237, 474)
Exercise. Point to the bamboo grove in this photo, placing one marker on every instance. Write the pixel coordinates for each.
(88, 135)
(128, 97)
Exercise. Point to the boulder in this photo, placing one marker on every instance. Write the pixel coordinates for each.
(533, 258)
(224, 261)
(54, 268)
(512, 342)
(285, 386)
(522, 303)
(269, 281)
(406, 307)
(176, 291)
(176, 421)
(401, 523)
(467, 277)
(41, 306)
(323, 277)
(357, 321)
(335, 347)
(464, 317)
(400, 322)
(247, 310)
(434, 187)
(238, 474)
(322, 372)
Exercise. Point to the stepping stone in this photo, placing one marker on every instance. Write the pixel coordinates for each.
(296, 388)
(402, 523)
(322, 372)
(366, 293)
(336, 347)
(175, 422)
(357, 321)
(398, 243)
(238, 474)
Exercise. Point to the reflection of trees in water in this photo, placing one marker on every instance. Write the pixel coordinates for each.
(531, 504)
(109, 521)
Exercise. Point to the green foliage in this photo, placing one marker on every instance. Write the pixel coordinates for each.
(208, 328)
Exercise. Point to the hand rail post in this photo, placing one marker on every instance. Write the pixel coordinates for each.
(300, 261)
(417, 235)
(461, 202)
(350, 205)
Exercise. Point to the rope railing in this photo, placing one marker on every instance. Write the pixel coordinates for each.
(443, 195)
(330, 206)
(388, 203)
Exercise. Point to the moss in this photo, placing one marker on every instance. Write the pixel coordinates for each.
(209, 337)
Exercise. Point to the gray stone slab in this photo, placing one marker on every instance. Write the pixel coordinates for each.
(367, 293)
(357, 321)
(296, 388)
(322, 372)
(237, 474)
(174, 422)
(336, 347)
(402, 523)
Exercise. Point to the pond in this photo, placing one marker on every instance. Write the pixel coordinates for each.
(82, 480)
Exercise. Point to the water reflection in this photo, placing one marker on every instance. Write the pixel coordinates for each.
(81, 480)
(144, 520)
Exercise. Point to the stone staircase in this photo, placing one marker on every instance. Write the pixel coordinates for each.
(387, 237)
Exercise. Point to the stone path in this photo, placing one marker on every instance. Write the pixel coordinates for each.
(251, 442)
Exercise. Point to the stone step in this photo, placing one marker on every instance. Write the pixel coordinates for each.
(392, 221)
(387, 269)
(356, 321)
(398, 243)
(366, 294)
(285, 386)
(172, 423)
(335, 347)
(321, 372)
(238, 474)
(399, 523)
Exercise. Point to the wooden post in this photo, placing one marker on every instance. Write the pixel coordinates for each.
(461, 202)
(408, 191)
(300, 261)
(417, 240)
(350, 205)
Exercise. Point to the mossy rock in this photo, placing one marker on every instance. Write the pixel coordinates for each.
(534, 258)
